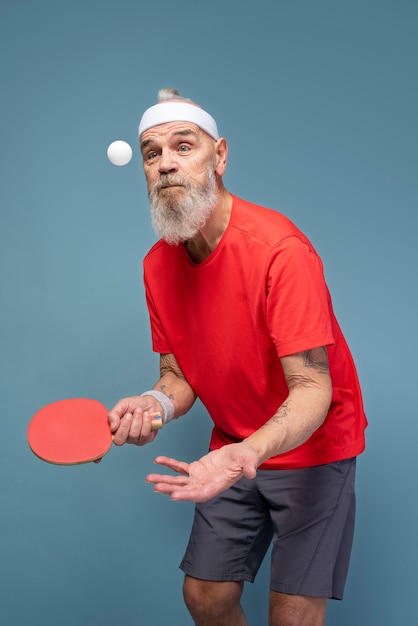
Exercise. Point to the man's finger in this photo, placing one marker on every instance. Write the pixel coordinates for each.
(121, 435)
(173, 464)
(179, 481)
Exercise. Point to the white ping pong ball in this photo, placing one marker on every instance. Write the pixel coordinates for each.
(119, 153)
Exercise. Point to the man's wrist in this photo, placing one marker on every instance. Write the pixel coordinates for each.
(165, 402)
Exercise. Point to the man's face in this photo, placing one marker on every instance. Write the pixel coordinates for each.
(179, 163)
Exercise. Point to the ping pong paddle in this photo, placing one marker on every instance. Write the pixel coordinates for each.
(73, 431)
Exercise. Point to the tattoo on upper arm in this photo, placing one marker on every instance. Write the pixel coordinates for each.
(168, 364)
(317, 358)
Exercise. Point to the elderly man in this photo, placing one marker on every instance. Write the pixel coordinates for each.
(242, 319)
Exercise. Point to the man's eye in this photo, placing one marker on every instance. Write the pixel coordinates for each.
(152, 155)
(184, 148)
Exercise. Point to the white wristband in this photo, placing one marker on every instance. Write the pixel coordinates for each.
(166, 404)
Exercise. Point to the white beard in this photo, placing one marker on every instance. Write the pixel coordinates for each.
(179, 213)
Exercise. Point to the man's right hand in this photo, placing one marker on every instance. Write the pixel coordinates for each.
(130, 420)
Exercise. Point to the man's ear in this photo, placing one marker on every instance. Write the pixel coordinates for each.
(221, 151)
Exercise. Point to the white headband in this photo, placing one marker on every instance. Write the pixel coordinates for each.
(178, 112)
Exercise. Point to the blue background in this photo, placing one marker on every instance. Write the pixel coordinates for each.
(318, 101)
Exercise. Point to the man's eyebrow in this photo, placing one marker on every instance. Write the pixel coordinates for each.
(146, 143)
(186, 132)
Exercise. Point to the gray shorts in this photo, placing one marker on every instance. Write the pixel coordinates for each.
(307, 514)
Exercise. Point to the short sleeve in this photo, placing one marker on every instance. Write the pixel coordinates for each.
(298, 304)
(160, 343)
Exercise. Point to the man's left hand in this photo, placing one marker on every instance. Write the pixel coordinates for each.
(213, 473)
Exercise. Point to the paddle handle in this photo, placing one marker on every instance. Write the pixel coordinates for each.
(156, 424)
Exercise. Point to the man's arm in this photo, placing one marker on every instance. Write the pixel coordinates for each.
(130, 419)
(310, 390)
(306, 407)
(174, 385)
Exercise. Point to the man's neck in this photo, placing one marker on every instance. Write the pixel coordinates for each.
(208, 237)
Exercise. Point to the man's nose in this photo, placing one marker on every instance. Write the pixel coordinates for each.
(167, 163)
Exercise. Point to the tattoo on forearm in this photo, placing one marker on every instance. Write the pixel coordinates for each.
(162, 388)
(282, 411)
(317, 358)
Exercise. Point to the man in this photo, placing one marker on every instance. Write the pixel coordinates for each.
(242, 319)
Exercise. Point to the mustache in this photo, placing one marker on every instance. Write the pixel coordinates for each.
(169, 180)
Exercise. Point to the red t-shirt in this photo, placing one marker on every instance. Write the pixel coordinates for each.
(258, 296)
